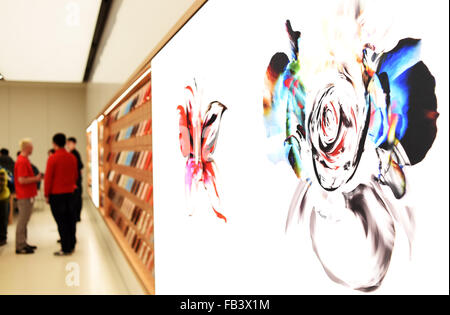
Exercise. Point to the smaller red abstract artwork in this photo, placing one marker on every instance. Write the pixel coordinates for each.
(199, 129)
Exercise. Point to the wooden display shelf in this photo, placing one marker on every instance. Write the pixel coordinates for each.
(138, 202)
(142, 113)
(143, 274)
(143, 143)
(140, 175)
(131, 225)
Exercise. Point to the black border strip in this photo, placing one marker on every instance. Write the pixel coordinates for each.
(103, 14)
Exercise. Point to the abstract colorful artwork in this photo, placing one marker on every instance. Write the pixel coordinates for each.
(199, 130)
(331, 164)
(352, 126)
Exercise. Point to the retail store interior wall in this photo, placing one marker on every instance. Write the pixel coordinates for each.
(38, 111)
(120, 54)
(70, 108)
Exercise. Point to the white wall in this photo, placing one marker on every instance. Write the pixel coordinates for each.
(133, 29)
(38, 111)
(97, 96)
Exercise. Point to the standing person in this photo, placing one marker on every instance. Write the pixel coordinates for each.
(35, 171)
(26, 189)
(6, 161)
(4, 206)
(60, 182)
(78, 194)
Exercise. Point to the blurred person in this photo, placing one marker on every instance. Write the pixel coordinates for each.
(35, 171)
(49, 153)
(26, 189)
(78, 194)
(60, 183)
(4, 206)
(6, 161)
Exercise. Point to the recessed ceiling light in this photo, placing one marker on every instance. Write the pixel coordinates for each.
(73, 14)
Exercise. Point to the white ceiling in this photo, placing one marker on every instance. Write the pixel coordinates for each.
(133, 29)
(46, 40)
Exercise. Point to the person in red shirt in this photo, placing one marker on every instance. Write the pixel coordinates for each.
(26, 189)
(60, 183)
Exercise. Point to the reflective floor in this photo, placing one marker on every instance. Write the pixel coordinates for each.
(90, 270)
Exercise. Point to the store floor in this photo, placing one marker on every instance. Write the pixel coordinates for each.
(93, 269)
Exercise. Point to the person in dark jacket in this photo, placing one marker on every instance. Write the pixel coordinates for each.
(78, 194)
(60, 182)
(6, 161)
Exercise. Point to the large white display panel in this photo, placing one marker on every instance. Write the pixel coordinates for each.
(226, 47)
(93, 129)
